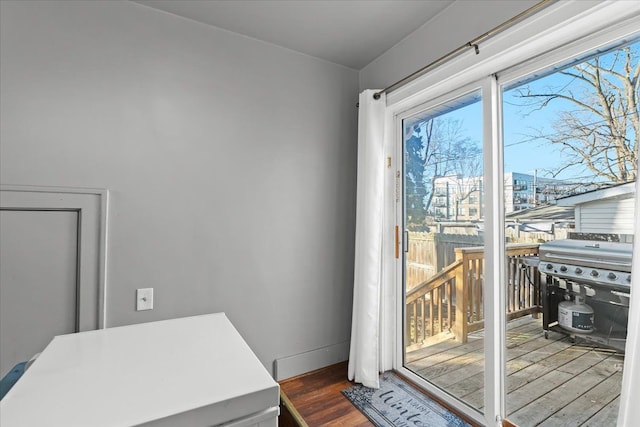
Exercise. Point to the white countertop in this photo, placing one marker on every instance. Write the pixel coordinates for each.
(142, 373)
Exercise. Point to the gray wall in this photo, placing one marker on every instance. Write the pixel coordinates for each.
(455, 26)
(230, 162)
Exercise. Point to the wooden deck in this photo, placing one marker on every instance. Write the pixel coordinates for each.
(550, 382)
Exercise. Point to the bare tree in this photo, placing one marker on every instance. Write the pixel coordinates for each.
(435, 148)
(468, 166)
(601, 130)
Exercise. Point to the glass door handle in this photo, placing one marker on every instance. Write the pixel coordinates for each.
(405, 241)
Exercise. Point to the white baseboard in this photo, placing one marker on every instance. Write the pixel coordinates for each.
(302, 363)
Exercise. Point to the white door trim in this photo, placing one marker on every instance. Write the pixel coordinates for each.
(92, 207)
(494, 253)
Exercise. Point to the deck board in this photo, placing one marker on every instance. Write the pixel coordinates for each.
(606, 415)
(587, 405)
(550, 382)
(561, 396)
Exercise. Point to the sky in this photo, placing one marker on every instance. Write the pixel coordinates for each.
(525, 153)
(522, 152)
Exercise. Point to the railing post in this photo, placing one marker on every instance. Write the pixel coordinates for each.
(460, 329)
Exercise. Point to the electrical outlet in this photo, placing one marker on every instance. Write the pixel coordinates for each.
(144, 299)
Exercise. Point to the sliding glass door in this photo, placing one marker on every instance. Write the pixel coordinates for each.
(443, 262)
(492, 181)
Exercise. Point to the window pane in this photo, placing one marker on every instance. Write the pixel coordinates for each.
(570, 156)
(443, 280)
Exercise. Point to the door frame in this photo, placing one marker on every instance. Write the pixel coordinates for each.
(398, 117)
(92, 207)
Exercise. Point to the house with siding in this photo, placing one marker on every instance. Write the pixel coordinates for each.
(607, 210)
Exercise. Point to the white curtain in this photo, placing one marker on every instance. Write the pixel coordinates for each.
(364, 357)
(629, 413)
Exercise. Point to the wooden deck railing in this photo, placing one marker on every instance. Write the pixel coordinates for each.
(434, 306)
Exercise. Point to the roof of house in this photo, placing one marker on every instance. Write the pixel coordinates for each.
(620, 191)
(543, 213)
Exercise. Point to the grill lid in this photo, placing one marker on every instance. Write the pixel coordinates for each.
(588, 253)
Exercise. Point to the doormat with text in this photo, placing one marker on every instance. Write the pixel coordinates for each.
(398, 404)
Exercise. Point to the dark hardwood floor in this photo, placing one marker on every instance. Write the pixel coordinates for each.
(316, 399)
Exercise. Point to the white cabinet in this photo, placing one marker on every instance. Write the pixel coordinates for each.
(192, 371)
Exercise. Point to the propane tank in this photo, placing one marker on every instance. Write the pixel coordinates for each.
(576, 316)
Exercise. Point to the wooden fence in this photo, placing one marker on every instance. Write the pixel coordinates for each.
(429, 253)
(451, 302)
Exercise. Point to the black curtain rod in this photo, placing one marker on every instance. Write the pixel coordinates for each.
(472, 44)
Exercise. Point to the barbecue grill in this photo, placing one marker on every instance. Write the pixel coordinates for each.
(586, 276)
